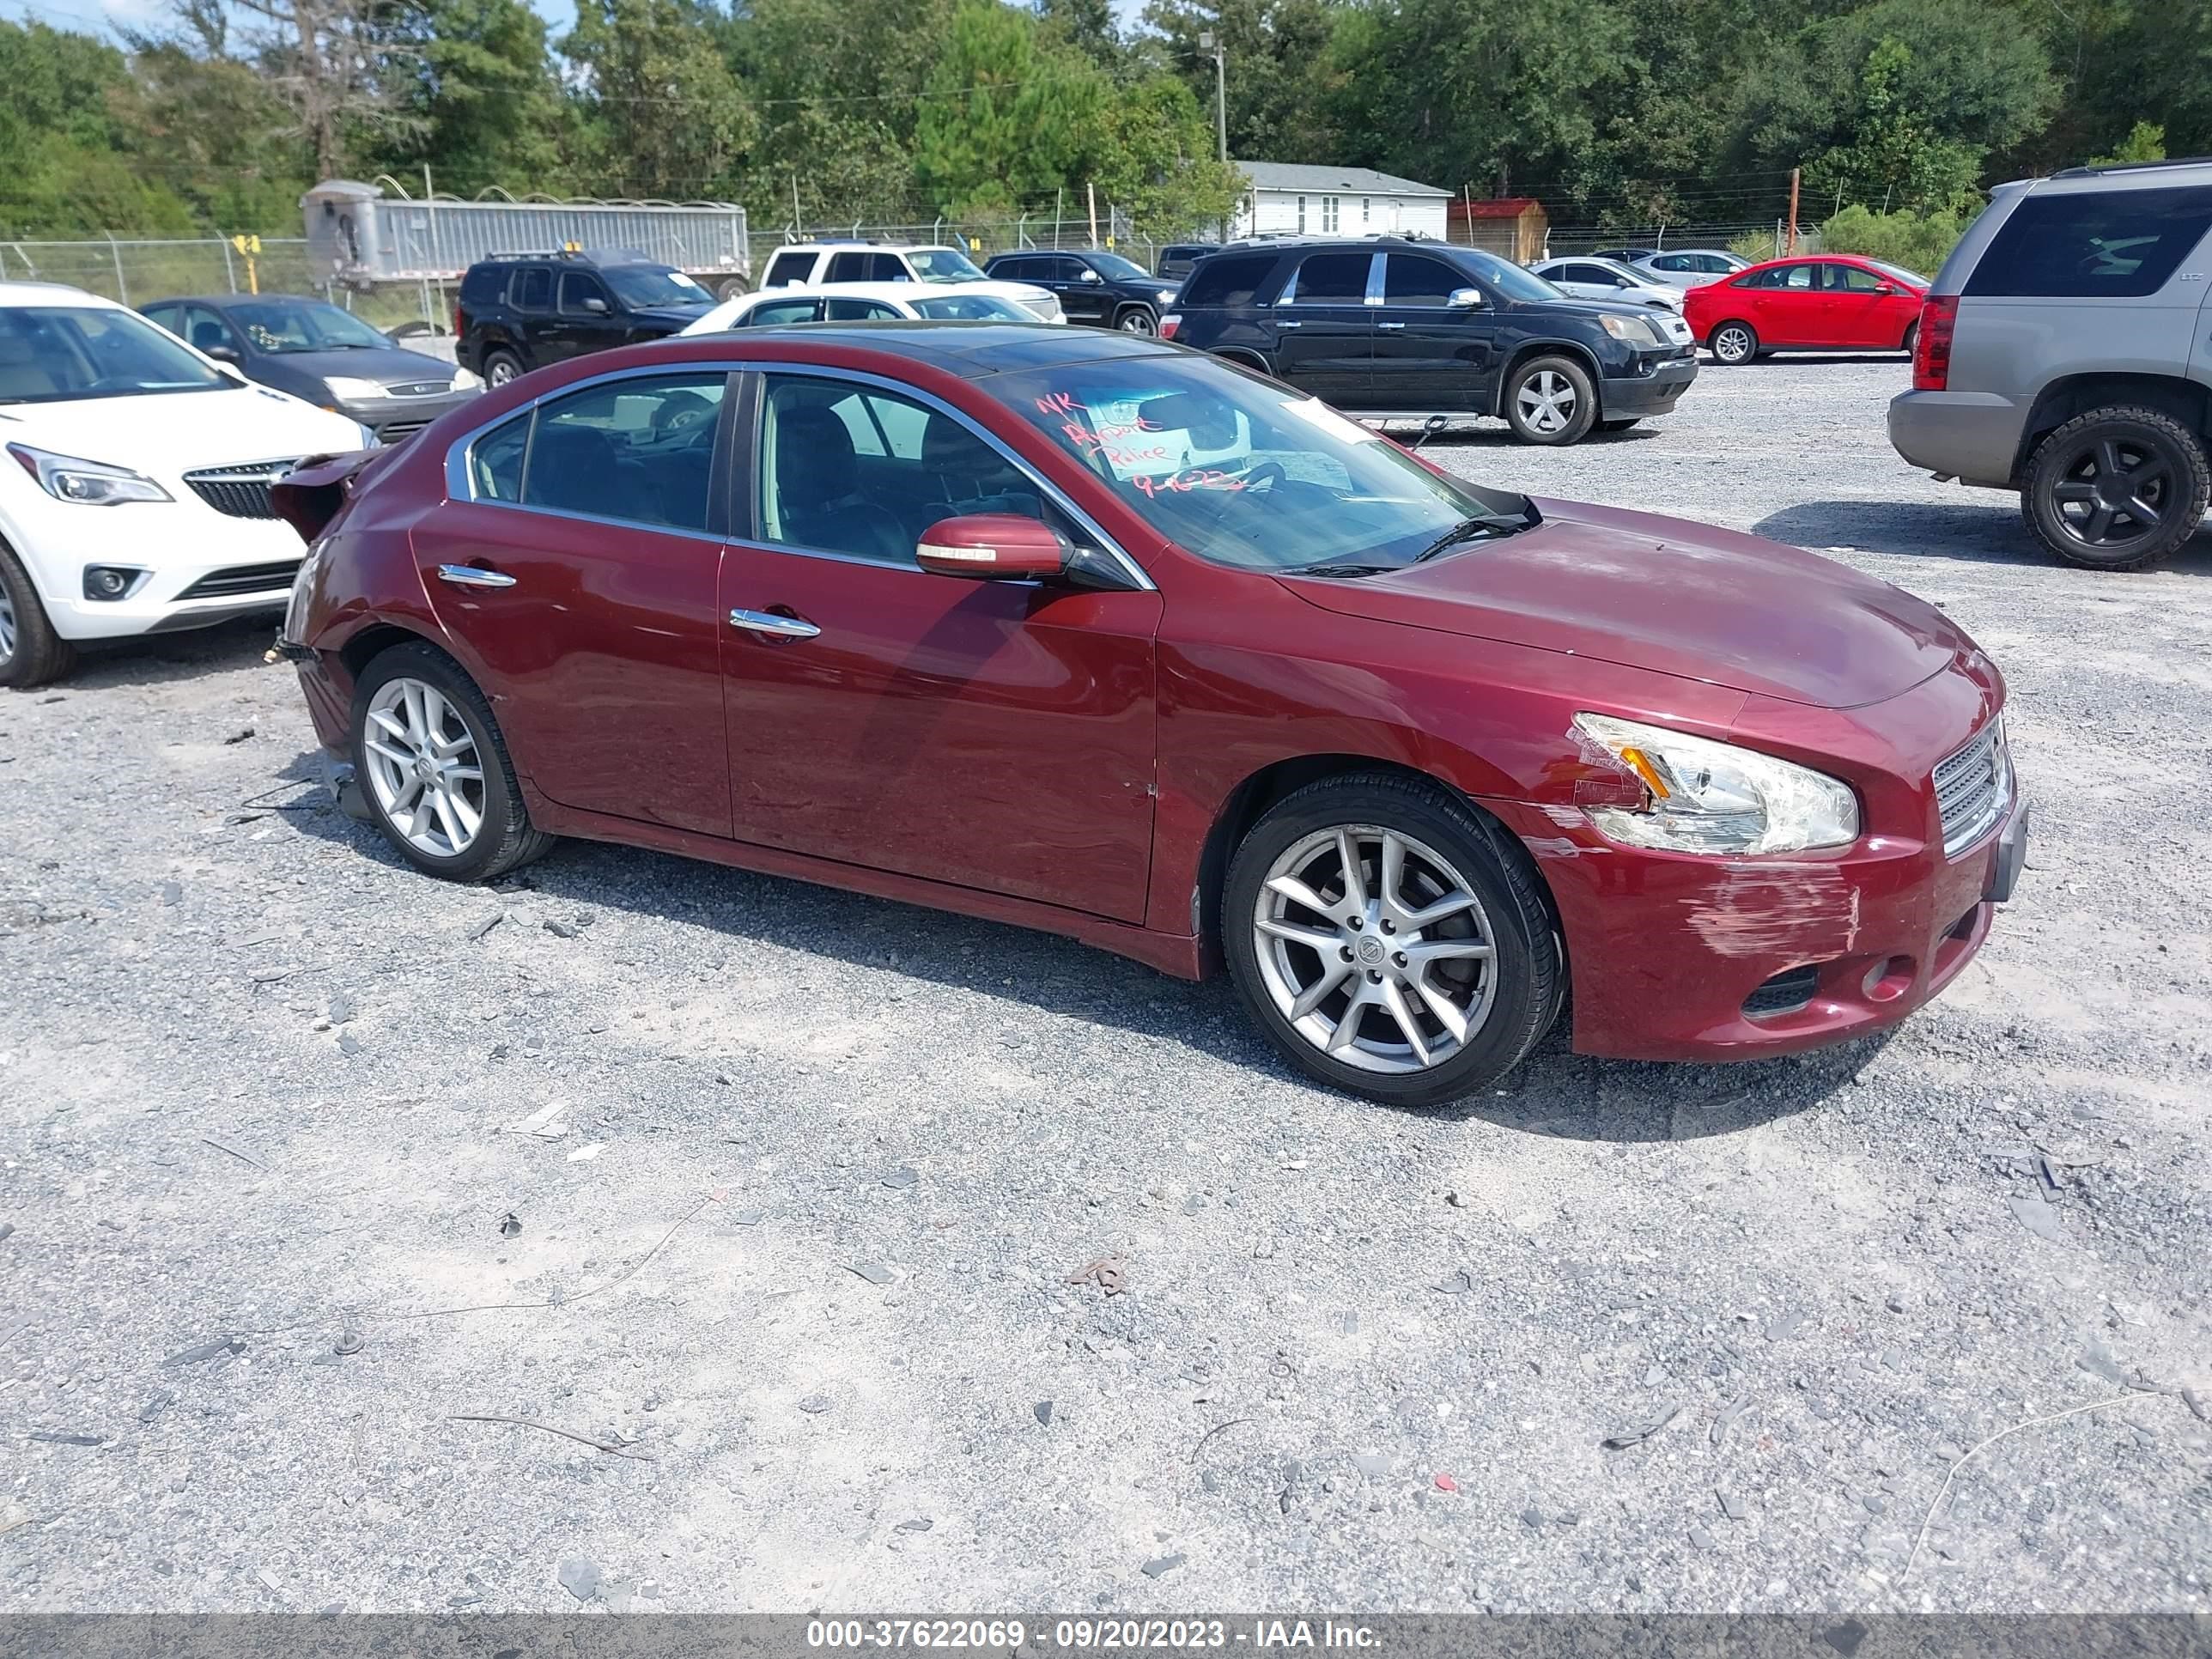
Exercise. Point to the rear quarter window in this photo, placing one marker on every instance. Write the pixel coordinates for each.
(483, 285)
(2124, 243)
(1233, 279)
(787, 268)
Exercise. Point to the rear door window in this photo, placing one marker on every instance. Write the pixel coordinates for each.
(1230, 279)
(783, 310)
(2124, 243)
(533, 289)
(1332, 279)
(859, 310)
(639, 449)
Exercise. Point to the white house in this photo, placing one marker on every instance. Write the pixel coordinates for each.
(1323, 201)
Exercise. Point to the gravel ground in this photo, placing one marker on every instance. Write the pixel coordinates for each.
(796, 1243)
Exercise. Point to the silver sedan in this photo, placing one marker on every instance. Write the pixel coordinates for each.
(1589, 278)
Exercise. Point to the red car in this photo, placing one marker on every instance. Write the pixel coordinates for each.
(1096, 634)
(1835, 301)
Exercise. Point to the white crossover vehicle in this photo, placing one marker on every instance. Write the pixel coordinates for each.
(816, 265)
(858, 302)
(133, 498)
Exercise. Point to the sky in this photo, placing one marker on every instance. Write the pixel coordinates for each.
(96, 15)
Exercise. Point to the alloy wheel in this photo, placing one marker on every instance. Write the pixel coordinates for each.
(424, 768)
(1546, 401)
(1138, 322)
(1732, 344)
(499, 372)
(2114, 492)
(7, 627)
(1374, 949)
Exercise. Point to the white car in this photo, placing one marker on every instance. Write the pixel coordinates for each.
(1587, 279)
(819, 264)
(138, 499)
(861, 302)
(1692, 267)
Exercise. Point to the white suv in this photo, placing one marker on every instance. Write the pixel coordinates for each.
(133, 498)
(812, 264)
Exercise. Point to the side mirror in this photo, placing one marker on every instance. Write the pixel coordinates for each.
(1465, 299)
(1090, 275)
(1885, 287)
(221, 354)
(596, 306)
(994, 547)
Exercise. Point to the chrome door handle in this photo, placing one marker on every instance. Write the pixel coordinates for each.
(767, 622)
(1290, 324)
(1389, 325)
(467, 575)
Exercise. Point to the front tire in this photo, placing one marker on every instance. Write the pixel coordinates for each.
(31, 652)
(1550, 400)
(2117, 488)
(1427, 972)
(434, 770)
(1734, 343)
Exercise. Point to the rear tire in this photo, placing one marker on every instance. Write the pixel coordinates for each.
(731, 288)
(502, 366)
(1137, 319)
(1301, 995)
(2117, 488)
(1550, 400)
(31, 652)
(413, 739)
(1733, 342)
(1911, 338)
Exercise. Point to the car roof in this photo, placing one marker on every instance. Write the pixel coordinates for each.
(973, 351)
(2177, 170)
(872, 247)
(218, 301)
(48, 294)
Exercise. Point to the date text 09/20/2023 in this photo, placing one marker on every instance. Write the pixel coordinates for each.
(1089, 1633)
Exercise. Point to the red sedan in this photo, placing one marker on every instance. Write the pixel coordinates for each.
(1835, 301)
(1096, 634)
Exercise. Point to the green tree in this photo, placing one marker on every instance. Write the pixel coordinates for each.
(476, 80)
(1005, 115)
(1277, 71)
(662, 116)
(2146, 142)
(1894, 157)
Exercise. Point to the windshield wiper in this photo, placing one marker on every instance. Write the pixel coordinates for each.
(1483, 524)
(1343, 570)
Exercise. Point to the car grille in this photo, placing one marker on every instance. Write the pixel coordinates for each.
(420, 389)
(241, 492)
(233, 580)
(1785, 993)
(1971, 789)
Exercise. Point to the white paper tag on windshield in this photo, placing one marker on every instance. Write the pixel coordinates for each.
(1315, 412)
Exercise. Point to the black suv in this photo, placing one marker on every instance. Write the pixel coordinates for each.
(521, 311)
(1094, 287)
(1391, 328)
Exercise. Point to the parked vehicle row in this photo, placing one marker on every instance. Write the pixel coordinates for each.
(1836, 303)
(1092, 285)
(1092, 633)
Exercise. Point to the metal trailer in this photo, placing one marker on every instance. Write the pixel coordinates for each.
(360, 237)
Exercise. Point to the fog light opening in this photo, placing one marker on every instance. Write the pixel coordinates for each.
(1784, 993)
(1888, 979)
(104, 584)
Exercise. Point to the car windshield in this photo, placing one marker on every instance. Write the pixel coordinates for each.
(1513, 281)
(1121, 270)
(943, 265)
(653, 285)
(970, 308)
(55, 354)
(282, 326)
(1899, 273)
(1247, 474)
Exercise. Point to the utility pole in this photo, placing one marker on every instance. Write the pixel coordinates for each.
(1791, 246)
(1212, 42)
(1091, 196)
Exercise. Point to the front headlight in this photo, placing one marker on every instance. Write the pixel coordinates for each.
(467, 380)
(96, 484)
(1706, 796)
(1634, 329)
(347, 388)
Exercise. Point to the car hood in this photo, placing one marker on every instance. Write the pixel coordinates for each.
(167, 432)
(1671, 597)
(672, 317)
(390, 367)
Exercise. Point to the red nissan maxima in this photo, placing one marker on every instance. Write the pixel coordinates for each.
(1838, 302)
(1093, 633)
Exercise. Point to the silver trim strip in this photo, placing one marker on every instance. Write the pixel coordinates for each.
(461, 486)
(767, 622)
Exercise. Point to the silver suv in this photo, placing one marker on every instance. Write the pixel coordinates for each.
(2063, 353)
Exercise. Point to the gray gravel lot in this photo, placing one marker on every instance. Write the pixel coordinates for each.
(799, 1253)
